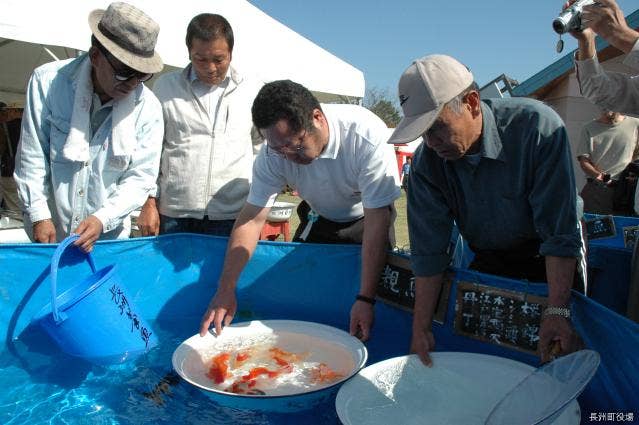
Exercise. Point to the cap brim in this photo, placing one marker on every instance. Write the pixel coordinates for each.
(412, 128)
(147, 65)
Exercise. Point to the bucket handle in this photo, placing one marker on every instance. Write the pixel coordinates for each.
(59, 316)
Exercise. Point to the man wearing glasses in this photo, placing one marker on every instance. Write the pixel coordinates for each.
(92, 133)
(337, 159)
(502, 170)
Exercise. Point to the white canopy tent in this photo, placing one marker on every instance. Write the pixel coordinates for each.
(39, 31)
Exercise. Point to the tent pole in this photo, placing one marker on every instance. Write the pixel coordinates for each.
(46, 49)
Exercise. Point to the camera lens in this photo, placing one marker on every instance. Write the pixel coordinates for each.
(559, 25)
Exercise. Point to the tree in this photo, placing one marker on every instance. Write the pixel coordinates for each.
(381, 104)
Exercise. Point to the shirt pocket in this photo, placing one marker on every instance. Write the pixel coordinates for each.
(514, 214)
(114, 168)
(58, 134)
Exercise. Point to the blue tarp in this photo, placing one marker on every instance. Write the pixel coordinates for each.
(171, 279)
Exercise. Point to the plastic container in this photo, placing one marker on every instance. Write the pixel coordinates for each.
(95, 319)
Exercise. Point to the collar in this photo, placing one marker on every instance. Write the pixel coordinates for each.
(490, 142)
(232, 79)
(97, 103)
(334, 136)
(75, 68)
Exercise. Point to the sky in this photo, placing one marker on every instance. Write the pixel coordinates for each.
(381, 38)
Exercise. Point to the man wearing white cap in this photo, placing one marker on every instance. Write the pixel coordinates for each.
(92, 133)
(501, 169)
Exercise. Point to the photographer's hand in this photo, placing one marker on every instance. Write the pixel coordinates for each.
(607, 20)
(585, 38)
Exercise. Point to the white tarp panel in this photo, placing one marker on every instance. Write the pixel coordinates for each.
(264, 48)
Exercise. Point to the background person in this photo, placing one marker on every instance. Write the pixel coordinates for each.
(607, 145)
(405, 173)
(10, 120)
(611, 90)
(92, 133)
(337, 158)
(501, 169)
(208, 139)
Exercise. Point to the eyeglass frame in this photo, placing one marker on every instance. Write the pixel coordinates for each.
(288, 148)
(127, 73)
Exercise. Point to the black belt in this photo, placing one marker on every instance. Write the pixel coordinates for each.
(610, 183)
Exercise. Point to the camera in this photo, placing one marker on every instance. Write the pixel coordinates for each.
(570, 19)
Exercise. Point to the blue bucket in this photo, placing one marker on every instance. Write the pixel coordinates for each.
(95, 319)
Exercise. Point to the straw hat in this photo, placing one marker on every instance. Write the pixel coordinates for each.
(129, 35)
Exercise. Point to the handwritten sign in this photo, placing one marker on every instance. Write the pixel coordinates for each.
(397, 287)
(630, 236)
(498, 316)
(118, 297)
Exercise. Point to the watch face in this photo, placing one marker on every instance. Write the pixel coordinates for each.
(557, 311)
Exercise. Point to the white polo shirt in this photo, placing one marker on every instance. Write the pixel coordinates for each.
(357, 169)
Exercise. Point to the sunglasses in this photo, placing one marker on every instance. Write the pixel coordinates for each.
(121, 72)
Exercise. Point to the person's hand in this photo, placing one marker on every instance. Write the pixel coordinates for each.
(362, 316)
(221, 309)
(89, 231)
(44, 231)
(584, 35)
(557, 337)
(605, 18)
(149, 219)
(422, 343)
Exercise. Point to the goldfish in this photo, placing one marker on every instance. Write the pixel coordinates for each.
(219, 369)
(323, 373)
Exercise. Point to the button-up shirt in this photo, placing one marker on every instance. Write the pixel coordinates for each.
(106, 186)
(520, 188)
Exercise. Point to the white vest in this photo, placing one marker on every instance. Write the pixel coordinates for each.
(206, 166)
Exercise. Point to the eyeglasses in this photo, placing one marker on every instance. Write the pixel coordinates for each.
(288, 149)
(121, 72)
(284, 152)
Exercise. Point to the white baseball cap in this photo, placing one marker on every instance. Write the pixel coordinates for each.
(424, 88)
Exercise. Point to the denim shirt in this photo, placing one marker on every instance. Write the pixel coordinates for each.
(106, 186)
(520, 188)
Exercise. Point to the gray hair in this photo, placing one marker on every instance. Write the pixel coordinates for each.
(456, 103)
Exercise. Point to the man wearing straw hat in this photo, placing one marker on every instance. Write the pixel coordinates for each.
(501, 169)
(92, 133)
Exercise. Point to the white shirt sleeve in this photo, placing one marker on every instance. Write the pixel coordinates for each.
(267, 180)
(613, 91)
(379, 176)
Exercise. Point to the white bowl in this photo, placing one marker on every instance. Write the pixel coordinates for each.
(324, 344)
(460, 388)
